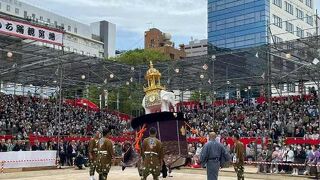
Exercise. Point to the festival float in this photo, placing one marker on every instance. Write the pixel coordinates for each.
(160, 112)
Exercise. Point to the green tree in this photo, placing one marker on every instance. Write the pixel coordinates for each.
(141, 56)
(199, 95)
(94, 94)
(130, 98)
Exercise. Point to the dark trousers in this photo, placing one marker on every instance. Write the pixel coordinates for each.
(62, 159)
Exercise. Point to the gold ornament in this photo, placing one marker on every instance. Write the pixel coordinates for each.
(152, 98)
(153, 77)
(183, 131)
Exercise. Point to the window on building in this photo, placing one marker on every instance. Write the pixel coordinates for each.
(309, 3)
(25, 14)
(277, 39)
(291, 87)
(289, 46)
(277, 21)
(8, 8)
(278, 3)
(16, 11)
(309, 34)
(280, 86)
(152, 43)
(289, 27)
(300, 32)
(75, 30)
(309, 20)
(299, 14)
(289, 7)
(69, 28)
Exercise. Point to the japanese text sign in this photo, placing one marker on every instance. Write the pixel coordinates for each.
(28, 31)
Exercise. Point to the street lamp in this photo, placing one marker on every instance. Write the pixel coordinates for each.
(201, 76)
(177, 70)
(9, 54)
(83, 76)
(288, 55)
(111, 76)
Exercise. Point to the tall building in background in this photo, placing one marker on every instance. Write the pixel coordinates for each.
(157, 40)
(196, 48)
(96, 39)
(236, 24)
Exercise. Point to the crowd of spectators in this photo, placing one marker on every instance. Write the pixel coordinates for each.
(289, 118)
(22, 116)
(25, 115)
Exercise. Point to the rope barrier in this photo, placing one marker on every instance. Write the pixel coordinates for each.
(58, 163)
(289, 164)
(33, 160)
(23, 161)
(2, 167)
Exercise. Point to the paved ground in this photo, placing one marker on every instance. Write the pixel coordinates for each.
(131, 174)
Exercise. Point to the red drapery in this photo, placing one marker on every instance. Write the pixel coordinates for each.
(82, 102)
(85, 103)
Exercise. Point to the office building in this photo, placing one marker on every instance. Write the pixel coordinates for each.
(157, 40)
(196, 48)
(96, 39)
(236, 24)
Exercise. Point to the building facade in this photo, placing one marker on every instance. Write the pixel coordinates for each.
(96, 39)
(236, 24)
(157, 40)
(196, 48)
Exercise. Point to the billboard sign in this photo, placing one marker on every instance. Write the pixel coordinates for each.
(29, 31)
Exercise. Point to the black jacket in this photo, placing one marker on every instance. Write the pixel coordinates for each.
(299, 156)
(3, 148)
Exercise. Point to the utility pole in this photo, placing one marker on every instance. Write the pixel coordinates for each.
(213, 58)
(269, 93)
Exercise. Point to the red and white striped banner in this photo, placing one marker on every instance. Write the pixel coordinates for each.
(282, 163)
(28, 160)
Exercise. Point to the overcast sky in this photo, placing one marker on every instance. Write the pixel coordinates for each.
(182, 18)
